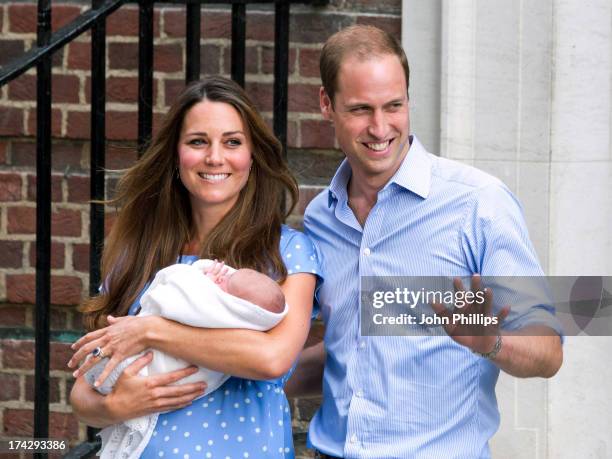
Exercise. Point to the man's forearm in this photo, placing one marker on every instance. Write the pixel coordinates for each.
(307, 380)
(536, 351)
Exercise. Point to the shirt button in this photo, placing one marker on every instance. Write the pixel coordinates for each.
(367, 251)
(359, 393)
(362, 345)
(353, 438)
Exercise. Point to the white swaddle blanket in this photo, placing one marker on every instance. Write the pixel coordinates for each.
(184, 294)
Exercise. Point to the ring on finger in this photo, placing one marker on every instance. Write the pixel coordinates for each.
(97, 352)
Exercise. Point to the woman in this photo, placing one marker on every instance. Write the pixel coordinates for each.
(210, 186)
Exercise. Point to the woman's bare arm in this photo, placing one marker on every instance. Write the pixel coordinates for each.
(243, 353)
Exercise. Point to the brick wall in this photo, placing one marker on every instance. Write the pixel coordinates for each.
(312, 154)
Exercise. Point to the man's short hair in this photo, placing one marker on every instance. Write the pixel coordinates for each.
(363, 41)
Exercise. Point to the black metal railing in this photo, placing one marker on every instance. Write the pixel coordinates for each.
(40, 56)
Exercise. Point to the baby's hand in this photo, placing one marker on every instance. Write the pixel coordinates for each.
(216, 272)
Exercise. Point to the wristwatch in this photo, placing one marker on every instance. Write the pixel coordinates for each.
(493, 353)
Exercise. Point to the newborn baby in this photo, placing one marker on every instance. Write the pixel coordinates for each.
(206, 294)
(249, 285)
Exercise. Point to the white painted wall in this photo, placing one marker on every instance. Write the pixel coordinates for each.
(523, 90)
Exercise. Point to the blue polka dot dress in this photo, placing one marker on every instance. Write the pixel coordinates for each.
(243, 418)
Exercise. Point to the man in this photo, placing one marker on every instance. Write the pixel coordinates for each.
(392, 209)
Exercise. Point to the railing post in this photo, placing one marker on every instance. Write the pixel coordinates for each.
(145, 74)
(281, 70)
(43, 226)
(97, 156)
(238, 42)
(192, 48)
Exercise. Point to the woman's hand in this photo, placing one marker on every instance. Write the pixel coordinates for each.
(135, 395)
(122, 338)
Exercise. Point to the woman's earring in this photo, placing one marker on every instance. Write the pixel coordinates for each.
(176, 172)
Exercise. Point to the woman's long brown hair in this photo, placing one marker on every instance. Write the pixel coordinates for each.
(155, 222)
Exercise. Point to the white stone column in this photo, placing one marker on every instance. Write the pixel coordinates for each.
(525, 94)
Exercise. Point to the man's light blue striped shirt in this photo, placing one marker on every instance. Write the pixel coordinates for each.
(418, 396)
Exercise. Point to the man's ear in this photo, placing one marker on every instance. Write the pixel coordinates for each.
(325, 104)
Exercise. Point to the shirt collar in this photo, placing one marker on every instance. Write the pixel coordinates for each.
(414, 174)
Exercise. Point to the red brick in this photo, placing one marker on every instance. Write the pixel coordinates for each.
(57, 255)
(172, 89)
(309, 62)
(267, 60)
(22, 18)
(23, 88)
(78, 189)
(227, 61)
(317, 134)
(251, 64)
(174, 22)
(123, 22)
(66, 222)
(3, 152)
(18, 423)
(316, 27)
(393, 25)
(79, 55)
(67, 156)
(210, 60)
(56, 122)
(292, 131)
(124, 56)
(59, 318)
(56, 188)
(304, 98)
(122, 89)
(65, 89)
(21, 220)
(63, 14)
(158, 120)
(168, 58)
(63, 425)
(80, 257)
(10, 187)
(21, 288)
(9, 50)
(121, 125)
(57, 59)
(260, 26)
(54, 391)
(78, 125)
(23, 154)
(120, 156)
(11, 254)
(11, 121)
(306, 195)
(13, 316)
(215, 25)
(66, 290)
(10, 387)
(60, 354)
(17, 354)
(261, 94)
